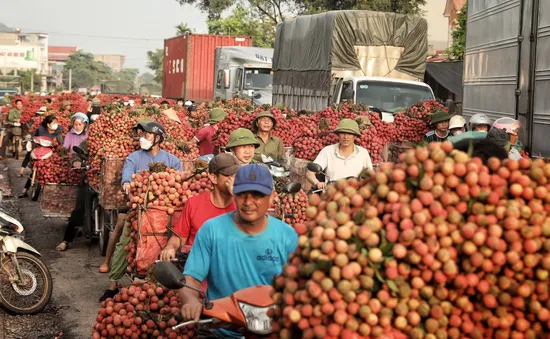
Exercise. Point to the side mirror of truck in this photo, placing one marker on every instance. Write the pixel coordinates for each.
(226, 78)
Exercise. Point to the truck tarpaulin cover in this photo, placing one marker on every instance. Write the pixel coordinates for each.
(308, 49)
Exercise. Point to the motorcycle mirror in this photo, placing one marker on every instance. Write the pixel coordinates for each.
(315, 168)
(168, 275)
(292, 187)
(78, 150)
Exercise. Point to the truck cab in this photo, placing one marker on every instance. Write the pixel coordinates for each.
(244, 72)
(386, 94)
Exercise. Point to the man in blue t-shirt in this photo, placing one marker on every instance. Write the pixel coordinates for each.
(239, 249)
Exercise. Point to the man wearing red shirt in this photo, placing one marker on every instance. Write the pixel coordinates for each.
(205, 134)
(207, 205)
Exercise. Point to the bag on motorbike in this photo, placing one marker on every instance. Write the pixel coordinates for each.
(152, 235)
(41, 153)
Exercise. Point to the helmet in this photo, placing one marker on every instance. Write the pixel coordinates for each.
(440, 116)
(261, 115)
(510, 125)
(479, 119)
(348, 126)
(241, 137)
(65, 104)
(188, 103)
(80, 115)
(457, 121)
(42, 110)
(280, 106)
(216, 115)
(153, 127)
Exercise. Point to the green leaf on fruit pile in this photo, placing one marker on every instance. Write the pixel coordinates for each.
(387, 249)
(324, 265)
(358, 217)
(378, 275)
(391, 284)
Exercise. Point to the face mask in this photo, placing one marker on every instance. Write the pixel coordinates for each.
(54, 126)
(145, 144)
(457, 132)
(77, 132)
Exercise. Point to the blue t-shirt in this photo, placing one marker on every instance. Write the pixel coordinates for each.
(231, 260)
(140, 160)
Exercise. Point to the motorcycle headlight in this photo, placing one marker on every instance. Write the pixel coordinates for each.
(256, 317)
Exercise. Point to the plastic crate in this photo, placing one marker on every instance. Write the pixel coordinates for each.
(58, 200)
(110, 190)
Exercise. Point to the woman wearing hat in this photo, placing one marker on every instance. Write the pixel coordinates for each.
(344, 159)
(78, 132)
(270, 145)
(66, 107)
(440, 125)
(242, 143)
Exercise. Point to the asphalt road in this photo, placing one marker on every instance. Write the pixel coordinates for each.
(77, 283)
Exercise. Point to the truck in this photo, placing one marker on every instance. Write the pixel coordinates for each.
(189, 64)
(507, 66)
(372, 58)
(117, 87)
(244, 72)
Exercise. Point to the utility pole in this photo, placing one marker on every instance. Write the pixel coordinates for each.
(70, 79)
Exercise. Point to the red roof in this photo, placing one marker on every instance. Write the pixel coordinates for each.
(60, 53)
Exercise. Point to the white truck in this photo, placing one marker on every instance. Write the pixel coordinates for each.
(373, 58)
(244, 72)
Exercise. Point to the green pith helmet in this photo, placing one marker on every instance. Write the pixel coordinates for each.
(241, 137)
(96, 101)
(440, 116)
(348, 126)
(142, 122)
(280, 106)
(65, 104)
(216, 115)
(260, 115)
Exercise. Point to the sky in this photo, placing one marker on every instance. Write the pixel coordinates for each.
(143, 24)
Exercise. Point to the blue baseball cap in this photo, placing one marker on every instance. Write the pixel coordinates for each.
(253, 177)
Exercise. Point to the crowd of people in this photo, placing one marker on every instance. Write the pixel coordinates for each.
(228, 226)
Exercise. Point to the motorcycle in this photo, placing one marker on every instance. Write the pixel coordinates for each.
(40, 149)
(15, 144)
(277, 211)
(318, 170)
(25, 281)
(245, 309)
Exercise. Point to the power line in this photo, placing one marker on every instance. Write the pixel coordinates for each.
(95, 36)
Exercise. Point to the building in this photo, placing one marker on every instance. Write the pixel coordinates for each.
(438, 34)
(451, 12)
(115, 61)
(57, 57)
(23, 51)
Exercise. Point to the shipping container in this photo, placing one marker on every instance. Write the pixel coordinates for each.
(189, 64)
(507, 66)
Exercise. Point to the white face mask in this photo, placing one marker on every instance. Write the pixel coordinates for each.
(145, 144)
(77, 132)
(54, 126)
(458, 132)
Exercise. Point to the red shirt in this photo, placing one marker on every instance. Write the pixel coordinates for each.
(196, 212)
(204, 136)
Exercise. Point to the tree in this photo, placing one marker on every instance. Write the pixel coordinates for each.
(182, 29)
(27, 76)
(242, 22)
(86, 71)
(155, 62)
(127, 74)
(146, 78)
(456, 51)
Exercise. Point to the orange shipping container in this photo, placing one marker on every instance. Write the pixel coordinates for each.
(189, 64)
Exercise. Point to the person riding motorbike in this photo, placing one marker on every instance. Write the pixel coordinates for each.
(480, 123)
(457, 125)
(221, 172)
(39, 115)
(511, 127)
(270, 145)
(78, 131)
(344, 159)
(48, 128)
(238, 249)
(152, 136)
(14, 117)
(77, 136)
(242, 145)
(440, 127)
(95, 110)
(206, 133)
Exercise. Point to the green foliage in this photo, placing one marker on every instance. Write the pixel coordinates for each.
(146, 78)
(182, 29)
(86, 72)
(126, 74)
(27, 77)
(456, 51)
(242, 23)
(396, 6)
(155, 62)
